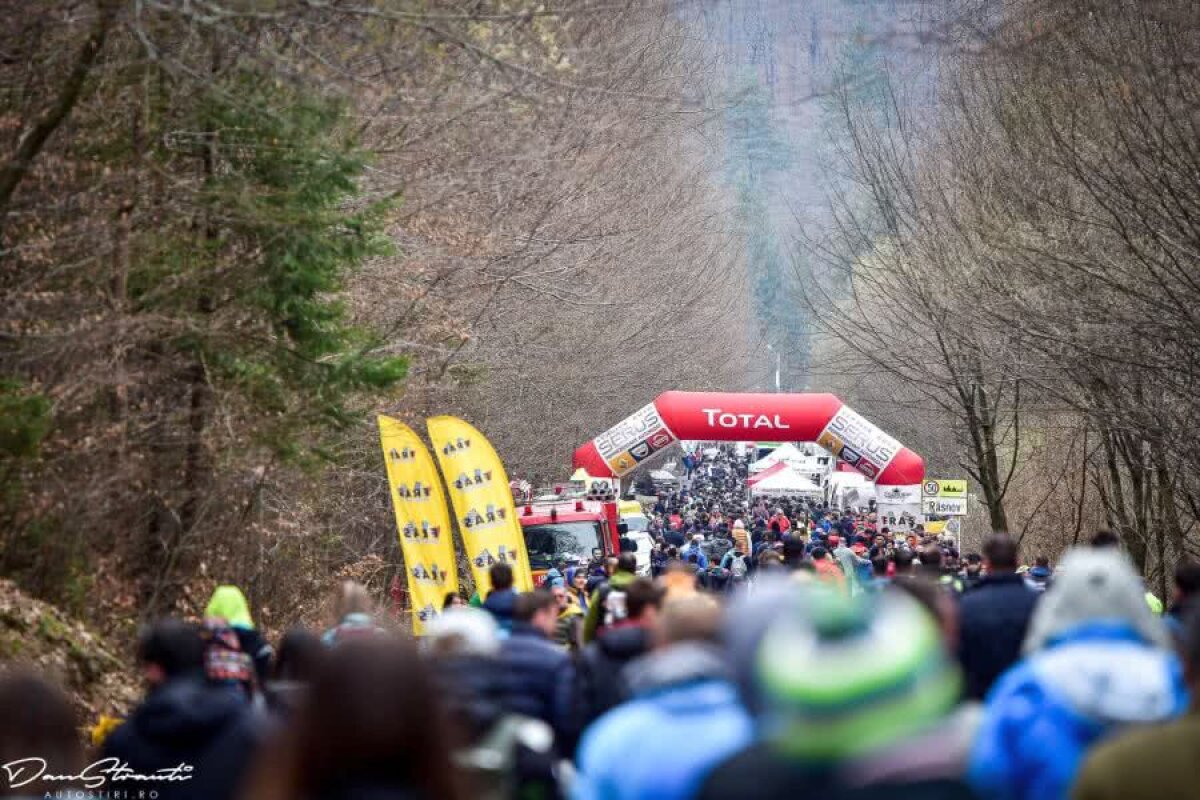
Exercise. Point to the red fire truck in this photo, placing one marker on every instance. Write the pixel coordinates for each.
(570, 530)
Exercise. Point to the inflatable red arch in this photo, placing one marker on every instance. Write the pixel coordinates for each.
(820, 418)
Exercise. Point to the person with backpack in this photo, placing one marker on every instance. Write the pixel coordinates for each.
(228, 612)
(607, 604)
(737, 563)
(600, 684)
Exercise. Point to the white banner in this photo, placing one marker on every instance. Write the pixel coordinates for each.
(633, 439)
(859, 443)
(898, 495)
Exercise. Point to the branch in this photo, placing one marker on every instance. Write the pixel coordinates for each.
(34, 139)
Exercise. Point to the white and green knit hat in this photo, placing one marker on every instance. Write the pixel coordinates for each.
(840, 677)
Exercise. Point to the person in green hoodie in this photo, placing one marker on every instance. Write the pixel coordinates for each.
(228, 605)
(607, 605)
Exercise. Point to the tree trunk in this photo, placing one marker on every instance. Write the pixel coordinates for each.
(33, 140)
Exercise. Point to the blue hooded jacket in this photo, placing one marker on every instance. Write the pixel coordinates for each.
(1047, 711)
(685, 718)
(694, 548)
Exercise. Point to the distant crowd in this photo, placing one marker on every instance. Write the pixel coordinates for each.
(777, 651)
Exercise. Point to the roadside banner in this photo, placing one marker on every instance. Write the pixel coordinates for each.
(422, 520)
(482, 501)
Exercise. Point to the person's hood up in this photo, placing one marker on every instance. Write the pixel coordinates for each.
(1094, 586)
(624, 642)
(1108, 674)
(228, 603)
(683, 662)
(186, 714)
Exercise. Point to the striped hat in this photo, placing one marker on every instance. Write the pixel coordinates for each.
(840, 677)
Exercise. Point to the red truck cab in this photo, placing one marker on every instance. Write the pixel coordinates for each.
(569, 531)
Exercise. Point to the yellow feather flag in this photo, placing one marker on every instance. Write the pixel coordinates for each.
(422, 520)
(483, 503)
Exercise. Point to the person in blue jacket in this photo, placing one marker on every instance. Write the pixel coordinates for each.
(695, 549)
(1096, 661)
(685, 715)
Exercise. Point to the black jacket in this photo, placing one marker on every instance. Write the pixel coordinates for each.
(537, 678)
(994, 616)
(188, 721)
(474, 692)
(601, 685)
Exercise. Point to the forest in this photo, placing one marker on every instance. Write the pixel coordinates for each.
(1013, 280)
(234, 230)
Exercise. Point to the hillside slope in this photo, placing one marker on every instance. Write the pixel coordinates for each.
(38, 637)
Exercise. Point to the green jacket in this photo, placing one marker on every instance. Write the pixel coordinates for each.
(1153, 763)
(595, 612)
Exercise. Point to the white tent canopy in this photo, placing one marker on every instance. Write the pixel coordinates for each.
(850, 489)
(787, 453)
(787, 483)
